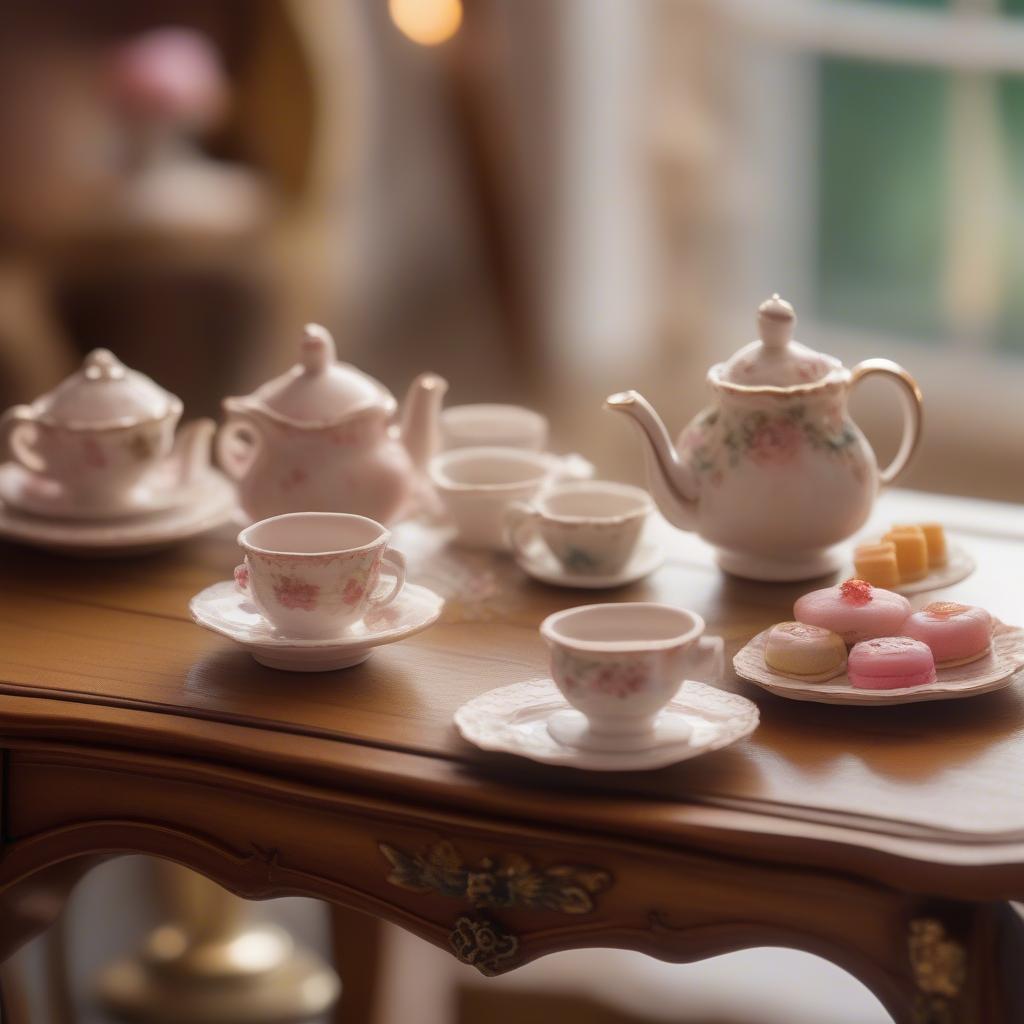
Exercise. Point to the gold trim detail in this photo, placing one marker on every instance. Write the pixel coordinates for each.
(939, 964)
(482, 944)
(509, 881)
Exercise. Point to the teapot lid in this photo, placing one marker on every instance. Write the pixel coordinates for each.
(775, 359)
(104, 392)
(318, 389)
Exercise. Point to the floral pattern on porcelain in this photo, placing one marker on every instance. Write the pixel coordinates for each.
(606, 676)
(292, 592)
(718, 441)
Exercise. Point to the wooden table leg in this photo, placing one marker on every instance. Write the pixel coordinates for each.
(357, 943)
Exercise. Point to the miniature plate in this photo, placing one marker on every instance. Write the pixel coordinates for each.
(959, 565)
(224, 609)
(514, 720)
(992, 672)
(538, 561)
(209, 506)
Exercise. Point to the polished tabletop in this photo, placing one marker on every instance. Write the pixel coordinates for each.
(104, 652)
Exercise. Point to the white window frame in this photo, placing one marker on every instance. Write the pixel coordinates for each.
(976, 391)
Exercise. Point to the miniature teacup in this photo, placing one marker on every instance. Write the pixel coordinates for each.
(477, 486)
(311, 574)
(620, 664)
(493, 426)
(591, 527)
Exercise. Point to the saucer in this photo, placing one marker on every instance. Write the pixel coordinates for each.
(33, 494)
(211, 503)
(959, 565)
(992, 672)
(224, 609)
(514, 720)
(538, 561)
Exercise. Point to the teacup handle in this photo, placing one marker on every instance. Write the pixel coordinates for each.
(237, 445)
(518, 517)
(708, 662)
(241, 575)
(14, 430)
(910, 394)
(395, 561)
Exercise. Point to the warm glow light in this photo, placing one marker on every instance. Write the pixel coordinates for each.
(427, 22)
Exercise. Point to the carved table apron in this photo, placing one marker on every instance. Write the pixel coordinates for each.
(889, 841)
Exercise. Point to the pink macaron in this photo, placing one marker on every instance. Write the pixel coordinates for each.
(956, 633)
(855, 610)
(890, 663)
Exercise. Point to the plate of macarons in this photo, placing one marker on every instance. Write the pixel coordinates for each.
(860, 644)
(912, 558)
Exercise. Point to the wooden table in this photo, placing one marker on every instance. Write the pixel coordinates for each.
(887, 840)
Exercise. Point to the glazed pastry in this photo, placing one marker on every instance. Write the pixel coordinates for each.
(956, 633)
(911, 551)
(855, 610)
(876, 563)
(805, 652)
(890, 663)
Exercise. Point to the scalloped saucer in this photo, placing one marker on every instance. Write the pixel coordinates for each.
(211, 504)
(37, 495)
(224, 609)
(538, 561)
(992, 672)
(514, 720)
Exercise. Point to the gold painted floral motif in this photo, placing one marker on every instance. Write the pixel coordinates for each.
(482, 944)
(508, 881)
(939, 964)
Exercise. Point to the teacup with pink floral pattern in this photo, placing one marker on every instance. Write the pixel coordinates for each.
(312, 574)
(620, 664)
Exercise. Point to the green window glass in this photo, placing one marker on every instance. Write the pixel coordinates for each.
(882, 144)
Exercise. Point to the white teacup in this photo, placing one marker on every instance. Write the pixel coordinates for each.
(620, 664)
(477, 486)
(493, 426)
(591, 527)
(311, 574)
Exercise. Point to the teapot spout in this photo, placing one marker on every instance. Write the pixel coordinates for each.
(191, 452)
(670, 481)
(421, 414)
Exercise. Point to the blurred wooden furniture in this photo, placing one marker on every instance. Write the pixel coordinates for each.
(890, 841)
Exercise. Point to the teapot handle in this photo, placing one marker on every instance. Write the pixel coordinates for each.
(912, 400)
(237, 445)
(15, 424)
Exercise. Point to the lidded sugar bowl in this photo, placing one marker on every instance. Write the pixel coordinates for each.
(323, 437)
(774, 473)
(90, 447)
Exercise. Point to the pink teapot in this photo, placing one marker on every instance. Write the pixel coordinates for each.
(774, 473)
(322, 437)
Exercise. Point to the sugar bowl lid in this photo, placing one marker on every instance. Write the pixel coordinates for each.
(319, 390)
(104, 393)
(775, 359)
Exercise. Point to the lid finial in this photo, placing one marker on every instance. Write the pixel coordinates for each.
(776, 319)
(318, 350)
(102, 364)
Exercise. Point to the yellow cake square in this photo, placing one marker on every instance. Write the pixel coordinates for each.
(876, 564)
(911, 551)
(935, 538)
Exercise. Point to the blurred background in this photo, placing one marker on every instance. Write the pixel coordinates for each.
(544, 201)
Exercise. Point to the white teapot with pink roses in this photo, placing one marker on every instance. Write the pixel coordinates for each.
(774, 474)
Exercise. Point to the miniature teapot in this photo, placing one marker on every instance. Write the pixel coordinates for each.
(774, 474)
(322, 438)
(101, 433)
